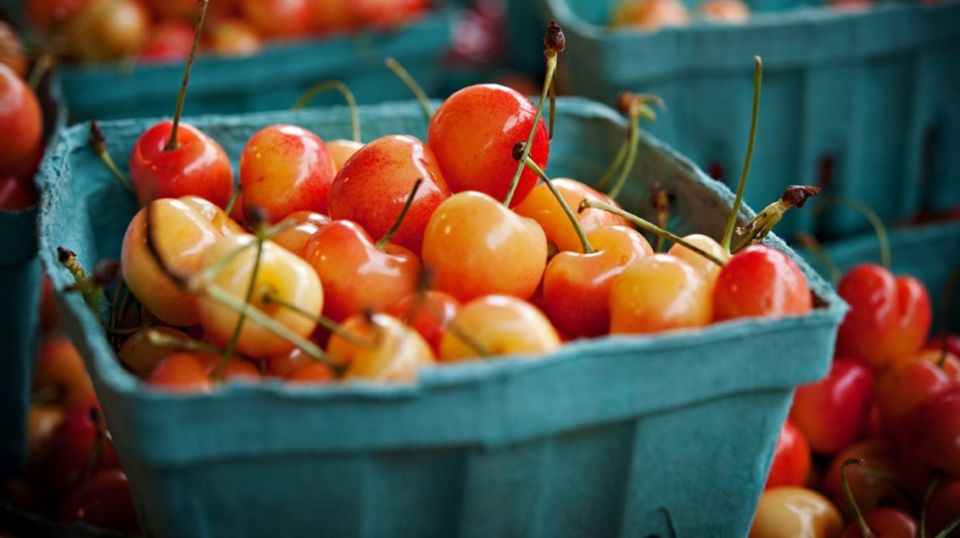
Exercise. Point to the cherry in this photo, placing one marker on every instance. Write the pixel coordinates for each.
(59, 374)
(650, 15)
(284, 365)
(832, 413)
(428, 313)
(21, 121)
(305, 225)
(933, 430)
(497, 325)
(908, 384)
(475, 246)
(874, 484)
(335, 15)
(356, 275)
(103, 30)
(48, 15)
(79, 445)
(659, 293)
(284, 169)
(234, 370)
(280, 18)
(187, 236)
(943, 507)
(389, 14)
(230, 36)
(189, 10)
(541, 206)
(708, 268)
(311, 372)
(42, 422)
(389, 351)
(729, 11)
(171, 42)
(181, 372)
(760, 281)
(473, 134)
(793, 511)
(263, 277)
(104, 502)
(218, 217)
(12, 52)
(791, 459)
(891, 521)
(141, 352)
(372, 186)
(17, 194)
(889, 317)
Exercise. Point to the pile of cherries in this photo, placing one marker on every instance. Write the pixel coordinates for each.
(883, 426)
(370, 261)
(21, 121)
(162, 30)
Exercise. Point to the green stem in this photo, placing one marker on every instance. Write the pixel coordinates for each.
(878, 227)
(387, 237)
(735, 211)
(234, 198)
(521, 164)
(926, 500)
(584, 242)
(617, 162)
(348, 96)
(181, 97)
(865, 531)
(945, 533)
(99, 143)
(633, 141)
(471, 342)
(649, 226)
(810, 243)
(232, 343)
(161, 339)
(324, 322)
(415, 88)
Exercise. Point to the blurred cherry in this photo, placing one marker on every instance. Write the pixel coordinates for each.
(832, 413)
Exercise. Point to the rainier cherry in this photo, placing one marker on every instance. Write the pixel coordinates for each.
(650, 14)
(428, 313)
(760, 281)
(795, 511)
(230, 36)
(141, 353)
(20, 120)
(497, 325)
(659, 293)
(280, 18)
(732, 11)
(392, 352)
(60, 373)
(171, 42)
(181, 372)
(306, 225)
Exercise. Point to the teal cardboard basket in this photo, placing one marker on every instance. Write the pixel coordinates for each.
(930, 253)
(20, 305)
(864, 103)
(612, 436)
(272, 79)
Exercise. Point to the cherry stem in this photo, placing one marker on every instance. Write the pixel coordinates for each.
(475, 345)
(207, 275)
(172, 144)
(348, 96)
(660, 199)
(735, 211)
(648, 226)
(878, 227)
(944, 309)
(633, 141)
(810, 243)
(232, 343)
(926, 501)
(90, 292)
(760, 226)
(584, 242)
(945, 533)
(162, 339)
(41, 67)
(99, 143)
(387, 237)
(616, 163)
(551, 54)
(271, 298)
(234, 198)
(553, 106)
(412, 85)
(848, 493)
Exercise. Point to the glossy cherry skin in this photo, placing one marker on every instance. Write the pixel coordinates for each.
(372, 186)
(180, 372)
(659, 293)
(885, 522)
(395, 353)
(280, 18)
(236, 369)
(651, 15)
(210, 211)
(229, 36)
(944, 506)
(197, 166)
(105, 502)
(389, 14)
(576, 287)
(295, 238)
(335, 15)
(356, 275)
(283, 365)
(283, 169)
(171, 41)
(869, 488)
(59, 369)
(906, 385)
(341, 150)
(104, 30)
(889, 317)
(311, 372)
(933, 431)
(707, 268)
(17, 194)
(475, 246)
(541, 206)
(428, 313)
(832, 413)
(141, 356)
(796, 512)
(791, 459)
(503, 325)
(473, 134)
(760, 281)
(72, 448)
(21, 121)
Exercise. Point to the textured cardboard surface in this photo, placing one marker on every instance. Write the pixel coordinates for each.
(603, 437)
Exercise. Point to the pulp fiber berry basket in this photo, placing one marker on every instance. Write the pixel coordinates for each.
(863, 103)
(272, 79)
(612, 436)
(930, 253)
(20, 303)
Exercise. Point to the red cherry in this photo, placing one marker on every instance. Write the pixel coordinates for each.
(760, 281)
(17, 194)
(48, 14)
(171, 42)
(791, 459)
(104, 502)
(181, 372)
(427, 313)
(79, 440)
(284, 169)
(907, 385)
(944, 506)
(889, 317)
(473, 134)
(832, 413)
(373, 186)
(933, 430)
(21, 122)
(311, 372)
(870, 483)
(389, 14)
(280, 18)
(885, 522)
(295, 238)
(197, 166)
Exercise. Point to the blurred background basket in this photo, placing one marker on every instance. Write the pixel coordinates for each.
(603, 437)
